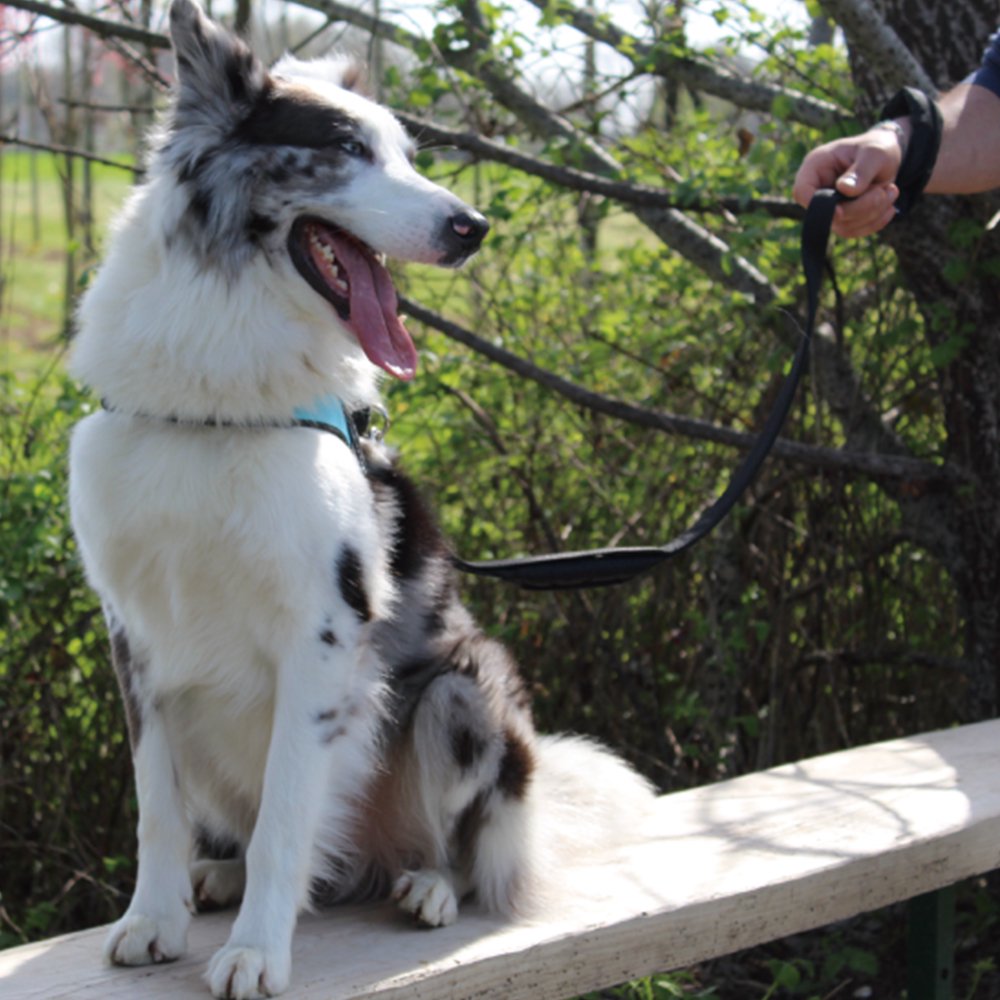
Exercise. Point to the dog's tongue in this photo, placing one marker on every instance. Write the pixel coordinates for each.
(374, 317)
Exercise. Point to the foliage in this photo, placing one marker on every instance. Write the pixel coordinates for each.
(790, 632)
(66, 814)
(815, 618)
(35, 245)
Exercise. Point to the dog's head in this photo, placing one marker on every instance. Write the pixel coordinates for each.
(293, 164)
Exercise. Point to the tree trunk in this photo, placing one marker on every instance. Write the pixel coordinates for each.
(942, 247)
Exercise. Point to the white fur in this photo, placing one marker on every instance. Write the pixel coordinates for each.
(253, 674)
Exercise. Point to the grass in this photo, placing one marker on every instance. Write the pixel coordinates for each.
(34, 243)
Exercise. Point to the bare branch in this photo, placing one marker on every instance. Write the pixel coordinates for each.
(696, 73)
(885, 53)
(629, 193)
(878, 466)
(376, 26)
(100, 26)
(114, 33)
(81, 154)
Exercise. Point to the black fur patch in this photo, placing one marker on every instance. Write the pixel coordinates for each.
(409, 669)
(351, 583)
(466, 747)
(417, 537)
(327, 637)
(466, 830)
(200, 206)
(515, 766)
(125, 670)
(238, 70)
(261, 225)
(286, 117)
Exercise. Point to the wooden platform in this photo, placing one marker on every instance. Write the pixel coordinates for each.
(721, 868)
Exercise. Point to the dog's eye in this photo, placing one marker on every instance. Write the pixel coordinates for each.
(353, 147)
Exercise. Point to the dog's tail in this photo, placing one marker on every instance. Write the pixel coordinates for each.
(589, 796)
(584, 804)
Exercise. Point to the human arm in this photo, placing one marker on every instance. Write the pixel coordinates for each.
(969, 158)
(864, 167)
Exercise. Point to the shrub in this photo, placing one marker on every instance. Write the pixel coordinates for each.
(66, 809)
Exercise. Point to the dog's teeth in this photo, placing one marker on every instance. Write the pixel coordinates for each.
(338, 281)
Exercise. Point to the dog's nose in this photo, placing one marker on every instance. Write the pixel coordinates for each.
(464, 233)
(461, 236)
(470, 226)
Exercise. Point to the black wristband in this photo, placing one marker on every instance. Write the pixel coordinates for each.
(925, 141)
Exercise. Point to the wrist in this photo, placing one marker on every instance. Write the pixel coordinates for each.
(901, 128)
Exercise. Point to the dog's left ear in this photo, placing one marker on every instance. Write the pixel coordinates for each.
(342, 70)
(218, 77)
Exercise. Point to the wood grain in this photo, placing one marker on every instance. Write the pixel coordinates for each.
(717, 869)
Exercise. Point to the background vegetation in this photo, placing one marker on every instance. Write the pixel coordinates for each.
(831, 608)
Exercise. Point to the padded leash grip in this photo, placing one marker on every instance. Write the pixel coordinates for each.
(926, 129)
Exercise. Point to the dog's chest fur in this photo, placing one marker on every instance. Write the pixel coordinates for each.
(223, 549)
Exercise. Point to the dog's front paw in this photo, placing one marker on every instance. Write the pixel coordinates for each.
(239, 972)
(217, 884)
(428, 895)
(139, 940)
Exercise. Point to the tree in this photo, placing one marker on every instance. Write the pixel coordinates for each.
(853, 595)
(907, 353)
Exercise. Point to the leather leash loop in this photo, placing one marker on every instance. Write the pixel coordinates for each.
(606, 567)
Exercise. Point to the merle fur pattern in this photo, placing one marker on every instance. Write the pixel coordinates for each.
(313, 714)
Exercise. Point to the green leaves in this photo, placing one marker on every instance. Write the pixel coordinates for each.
(66, 762)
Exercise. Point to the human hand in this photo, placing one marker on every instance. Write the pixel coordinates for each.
(863, 168)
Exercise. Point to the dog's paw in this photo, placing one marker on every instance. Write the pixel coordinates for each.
(217, 884)
(239, 972)
(139, 940)
(428, 895)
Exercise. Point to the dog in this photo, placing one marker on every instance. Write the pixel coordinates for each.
(313, 714)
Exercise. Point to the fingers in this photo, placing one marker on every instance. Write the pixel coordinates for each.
(820, 169)
(866, 214)
(862, 169)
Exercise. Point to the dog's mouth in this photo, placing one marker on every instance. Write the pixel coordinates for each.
(355, 282)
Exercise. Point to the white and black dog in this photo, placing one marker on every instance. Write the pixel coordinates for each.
(303, 687)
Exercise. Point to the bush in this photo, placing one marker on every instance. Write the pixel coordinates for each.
(66, 809)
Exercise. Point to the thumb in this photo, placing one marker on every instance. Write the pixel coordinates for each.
(869, 166)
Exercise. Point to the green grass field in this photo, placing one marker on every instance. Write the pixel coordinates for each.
(34, 243)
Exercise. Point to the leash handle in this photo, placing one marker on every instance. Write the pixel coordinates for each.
(606, 567)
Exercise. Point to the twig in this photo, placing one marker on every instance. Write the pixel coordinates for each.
(69, 151)
(880, 466)
(100, 26)
(696, 73)
(627, 192)
(110, 108)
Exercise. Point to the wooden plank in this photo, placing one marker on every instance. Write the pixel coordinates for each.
(718, 869)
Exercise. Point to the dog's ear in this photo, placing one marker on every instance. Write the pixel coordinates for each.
(353, 75)
(342, 70)
(217, 74)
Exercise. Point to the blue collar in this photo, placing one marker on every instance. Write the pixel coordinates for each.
(328, 414)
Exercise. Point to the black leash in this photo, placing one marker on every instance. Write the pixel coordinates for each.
(605, 567)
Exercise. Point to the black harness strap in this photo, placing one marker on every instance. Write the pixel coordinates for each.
(605, 567)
